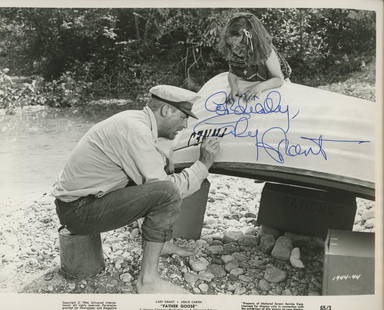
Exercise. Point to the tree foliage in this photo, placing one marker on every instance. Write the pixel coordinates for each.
(122, 52)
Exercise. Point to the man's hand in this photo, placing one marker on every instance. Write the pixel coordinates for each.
(208, 151)
(169, 167)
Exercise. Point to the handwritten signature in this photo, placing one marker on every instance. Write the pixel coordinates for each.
(237, 115)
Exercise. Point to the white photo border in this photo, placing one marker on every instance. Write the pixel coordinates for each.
(16, 301)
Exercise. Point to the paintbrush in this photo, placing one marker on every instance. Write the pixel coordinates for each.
(195, 144)
(184, 147)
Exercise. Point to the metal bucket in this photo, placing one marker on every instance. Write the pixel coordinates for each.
(81, 256)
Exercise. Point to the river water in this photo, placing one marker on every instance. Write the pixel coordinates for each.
(35, 143)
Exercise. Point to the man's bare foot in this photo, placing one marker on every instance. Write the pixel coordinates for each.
(158, 286)
(171, 248)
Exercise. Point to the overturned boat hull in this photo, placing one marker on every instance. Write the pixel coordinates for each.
(293, 134)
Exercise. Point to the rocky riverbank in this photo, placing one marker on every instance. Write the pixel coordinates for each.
(233, 255)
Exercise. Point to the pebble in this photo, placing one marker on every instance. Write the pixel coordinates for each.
(234, 220)
(206, 276)
(126, 277)
(135, 233)
(231, 265)
(252, 222)
(216, 260)
(229, 248)
(275, 291)
(370, 214)
(114, 282)
(237, 271)
(196, 290)
(274, 274)
(201, 243)
(360, 211)
(217, 236)
(118, 264)
(287, 292)
(256, 262)
(266, 230)
(295, 258)
(240, 290)
(369, 223)
(216, 242)
(250, 215)
(254, 292)
(253, 231)
(217, 270)
(282, 249)
(190, 278)
(220, 196)
(48, 276)
(264, 285)
(240, 257)
(232, 236)
(358, 219)
(205, 235)
(215, 249)
(33, 262)
(203, 287)
(267, 242)
(198, 264)
(369, 204)
(127, 256)
(209, 221)
(249, 240)
(245, 278)
(227, 258)
(232, 287)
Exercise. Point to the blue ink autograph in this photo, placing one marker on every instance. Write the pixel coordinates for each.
(275, 140)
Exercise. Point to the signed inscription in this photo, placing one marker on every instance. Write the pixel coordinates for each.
(239, 118)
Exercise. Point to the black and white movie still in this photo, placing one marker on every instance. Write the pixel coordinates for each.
(257, 125)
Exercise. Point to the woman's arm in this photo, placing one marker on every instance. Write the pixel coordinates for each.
(233, 84)
(276, 77)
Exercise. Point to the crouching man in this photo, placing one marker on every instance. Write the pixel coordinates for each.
(116, 175)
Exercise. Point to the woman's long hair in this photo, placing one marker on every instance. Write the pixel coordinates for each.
(261, 39)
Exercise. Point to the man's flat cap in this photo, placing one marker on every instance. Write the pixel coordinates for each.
(182, 99)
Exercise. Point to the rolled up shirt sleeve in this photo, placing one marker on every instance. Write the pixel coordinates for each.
(143, 163)
(189, 179)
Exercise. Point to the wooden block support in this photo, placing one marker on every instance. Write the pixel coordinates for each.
(81, 256)
(191, 218)
(306, 211)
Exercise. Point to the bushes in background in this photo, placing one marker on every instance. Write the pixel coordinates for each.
(99, 53)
